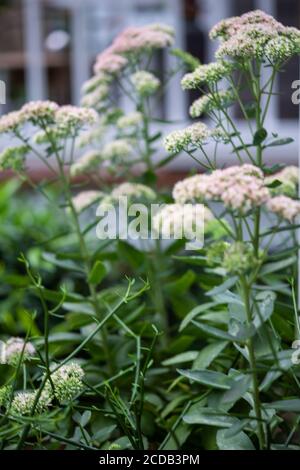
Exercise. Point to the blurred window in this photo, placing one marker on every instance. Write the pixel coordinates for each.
(288, 12)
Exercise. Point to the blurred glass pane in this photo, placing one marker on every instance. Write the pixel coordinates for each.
(195, 38)
(56, 23)
(12, 58)
(288, 12)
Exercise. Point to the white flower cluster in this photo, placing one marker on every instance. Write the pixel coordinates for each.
(67, 382)
(177, 220)
(12, 350)
(87, 162)
(289, 179)
(203, 74)
(196, 134)
(144, 83)
(85, 199)
(136, 190)
(285, 207)
(73, 116)
(132, 42)
(96, 98)
(238, 187)
(32, 111)
(133, 119)
(39, 110)
(91, 84)
(119, 150)
(11, 121)
(13, 158)
(209, 102)
(54, 120)
(256, 34)
(23, 402)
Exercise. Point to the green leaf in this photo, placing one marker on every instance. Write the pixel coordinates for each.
(177, 438)
(182, 284)
(208, 354)
(196, 260)
(239, 441)
(277, 266)
(195, 312)
(276, 142)
(259, 136)
(215, 332)
(85, 418)
(208, 377)
(179, 358)
(197, 414)
(265, 304)
(240, 386)
(285, 405)
(66, 264)
(231, 281)
(97, 273)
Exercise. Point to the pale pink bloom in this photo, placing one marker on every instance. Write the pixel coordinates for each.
(284, 207)
(39, 110)
(109, 62)
(84, 199)
(238, 187)
(11, 121)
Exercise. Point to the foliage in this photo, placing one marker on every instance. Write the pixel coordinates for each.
(115, 344)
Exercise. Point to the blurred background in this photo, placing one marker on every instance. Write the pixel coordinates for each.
(48, 47)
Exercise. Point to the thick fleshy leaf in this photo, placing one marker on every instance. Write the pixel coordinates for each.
(208, 377)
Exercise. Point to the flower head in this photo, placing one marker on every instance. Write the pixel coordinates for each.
(209, 73)
(13, 158)
(109, 62)
(284, 207)
(23, 403)
(95, 98)
(256, 35)
(39, 110)
(135, 40)
(133, 119)
(85, 199)
(135, 190)
(196, 134)
(119, 149)
(288, 178)
(13, 350)
(97, 80)
(209, 102)
(11, 121)
(144, 83)
(87, 162)
(178, 221)
(70, 117)
(238, 187)
(67, 382)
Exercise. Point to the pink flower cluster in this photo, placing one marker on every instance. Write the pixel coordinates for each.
(132, 41)
(227, 28)
(248, 36)
(238, 187)
(284, 207)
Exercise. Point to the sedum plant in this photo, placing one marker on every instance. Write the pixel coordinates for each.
(109, 328)
(244, 382)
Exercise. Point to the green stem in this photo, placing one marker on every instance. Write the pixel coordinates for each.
(252, 361)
